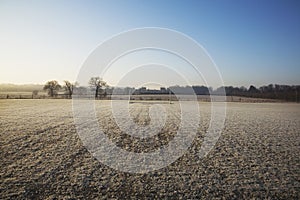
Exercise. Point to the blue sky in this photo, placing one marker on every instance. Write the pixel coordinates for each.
(252, 42)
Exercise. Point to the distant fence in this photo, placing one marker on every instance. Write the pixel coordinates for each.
(31, 96)
(157, 97)
(148, 97)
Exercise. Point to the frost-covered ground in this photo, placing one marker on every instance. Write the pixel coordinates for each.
(43, 157)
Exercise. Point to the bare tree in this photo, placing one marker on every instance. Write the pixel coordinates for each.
(52, 87)
(69, 87)
(97, 83)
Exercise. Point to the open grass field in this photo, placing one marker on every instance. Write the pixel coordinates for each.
(42, 157)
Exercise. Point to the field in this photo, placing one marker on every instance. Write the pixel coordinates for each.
(42, 156)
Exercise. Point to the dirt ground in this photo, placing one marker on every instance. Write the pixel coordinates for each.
(42, 156)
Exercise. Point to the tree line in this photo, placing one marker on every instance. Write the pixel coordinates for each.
(53, 87)
(271, 91)
(102, 89)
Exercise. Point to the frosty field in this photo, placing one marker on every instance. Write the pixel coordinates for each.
(42, 156)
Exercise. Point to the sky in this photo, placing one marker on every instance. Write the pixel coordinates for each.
(252, 42)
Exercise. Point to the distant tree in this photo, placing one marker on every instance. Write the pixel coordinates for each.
(69, 87)
(201, 90)
(219, 91)
(109, 90)
(52, 87)
(128, 90)
(253, 89)
(97, 83)
(243, 89)
(35, 92)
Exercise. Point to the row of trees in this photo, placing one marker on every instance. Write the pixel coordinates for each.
(283, 92)
(271, 91)
(53, 87)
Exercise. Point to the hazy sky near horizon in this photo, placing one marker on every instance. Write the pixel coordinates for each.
(252, 42)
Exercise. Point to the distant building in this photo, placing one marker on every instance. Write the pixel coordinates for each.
(144, 90)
